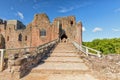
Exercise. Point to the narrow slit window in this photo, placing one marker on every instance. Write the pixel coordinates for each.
(25, 38)
(20, 37)
(7, 38)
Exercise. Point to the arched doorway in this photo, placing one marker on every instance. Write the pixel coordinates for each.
(64, 38)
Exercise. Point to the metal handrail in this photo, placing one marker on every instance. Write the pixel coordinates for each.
(86, 49)
(47, 44)
(29, 47)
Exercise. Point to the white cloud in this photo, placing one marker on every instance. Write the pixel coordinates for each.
(116, 30)
(117, 10)
(97, 29)
(36, 6)
(83, 29)
(64, 10)
(83, 5)
(20, 15)
(72, 7)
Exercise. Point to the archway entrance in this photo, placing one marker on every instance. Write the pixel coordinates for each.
(64, 38)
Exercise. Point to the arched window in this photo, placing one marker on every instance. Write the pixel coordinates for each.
(43, 32)
(25, 38)
(20, 37)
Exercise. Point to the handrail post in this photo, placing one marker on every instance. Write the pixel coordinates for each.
(98, 53)
(80, 47)
(2, 59)
(87, 51)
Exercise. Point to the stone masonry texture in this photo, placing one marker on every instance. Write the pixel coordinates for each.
(14, 34)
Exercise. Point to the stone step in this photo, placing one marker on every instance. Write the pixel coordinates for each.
(61, 66)
(53, 71)
(57, 51)
(35, 76)
(65, 44)
(65, 48)
(63, 59)
(64, 55)
(5, 75)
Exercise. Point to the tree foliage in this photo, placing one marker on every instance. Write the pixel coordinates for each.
(106, 46)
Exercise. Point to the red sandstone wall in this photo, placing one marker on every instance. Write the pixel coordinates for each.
(78, 37)
(32, 31)
(2, 29)
(40, 22)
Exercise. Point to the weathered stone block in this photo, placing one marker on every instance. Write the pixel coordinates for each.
(16, 68)
(11, 62)
(20, 61)
(16, 75)
(13, 56)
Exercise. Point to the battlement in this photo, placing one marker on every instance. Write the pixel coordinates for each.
(2, 21)
(17, 23)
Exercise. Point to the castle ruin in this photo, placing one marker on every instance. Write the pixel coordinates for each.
(14, 34)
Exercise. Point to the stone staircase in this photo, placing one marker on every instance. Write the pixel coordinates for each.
(63, 63)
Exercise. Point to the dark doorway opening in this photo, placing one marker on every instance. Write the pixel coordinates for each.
(64, 38)
(71, 23)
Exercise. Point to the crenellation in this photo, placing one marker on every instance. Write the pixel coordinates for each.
(17, 24)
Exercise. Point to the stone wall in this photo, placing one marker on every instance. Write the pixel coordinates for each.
(18, 36)
(72, 29)
(2, 29)
(19, 65)
(78, 37)
(17, 24)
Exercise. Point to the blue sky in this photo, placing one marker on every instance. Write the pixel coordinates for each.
(100, 18)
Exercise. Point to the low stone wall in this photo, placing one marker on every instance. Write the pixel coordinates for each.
(20, 65)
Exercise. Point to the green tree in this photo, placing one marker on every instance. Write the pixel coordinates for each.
(106, 46)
